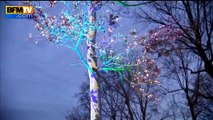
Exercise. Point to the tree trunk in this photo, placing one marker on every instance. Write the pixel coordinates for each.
(129, 107)
(192, 111)
(91, 60)
(191, 105)
(145, 108)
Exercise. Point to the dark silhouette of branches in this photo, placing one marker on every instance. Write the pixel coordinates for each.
(189, 23)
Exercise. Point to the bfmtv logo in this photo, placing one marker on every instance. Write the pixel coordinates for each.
(19, 12)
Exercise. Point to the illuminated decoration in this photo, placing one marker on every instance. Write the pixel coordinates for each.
(161, 40)
(124, 3)
(70, 32)
(77, 26)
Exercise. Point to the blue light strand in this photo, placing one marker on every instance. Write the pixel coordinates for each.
(62, 35)
(82, 29)
(82, 59)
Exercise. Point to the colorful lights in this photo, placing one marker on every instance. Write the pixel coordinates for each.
(107, 49)
(115, 51)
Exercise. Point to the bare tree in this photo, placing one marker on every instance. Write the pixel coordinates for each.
(184, 43)
(191, 23)
(82, 110)
(192, 86)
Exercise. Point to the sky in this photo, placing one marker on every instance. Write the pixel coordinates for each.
(37, 81)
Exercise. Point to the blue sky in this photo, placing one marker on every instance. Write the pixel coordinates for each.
(37, 81)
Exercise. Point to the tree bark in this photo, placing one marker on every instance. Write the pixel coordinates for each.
(91, 60)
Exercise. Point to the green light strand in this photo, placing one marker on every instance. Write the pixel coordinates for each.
(116, 69)
(129, 5)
